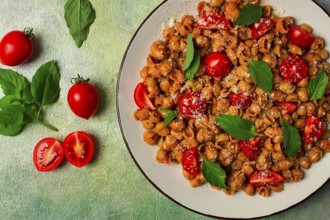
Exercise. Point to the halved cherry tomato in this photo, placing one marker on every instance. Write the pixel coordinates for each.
(313, 130)
(78, 148)
(190, 161)
(141, 97)
(293, 69)
(48, 154)
(300, 37)
(253, 147)
(286, 107)
(217, 64)
(241, 100)
(262, 27)
(265, 178)
(192, 105)
(213, 21)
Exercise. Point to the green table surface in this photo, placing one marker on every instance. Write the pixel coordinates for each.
(111, 186)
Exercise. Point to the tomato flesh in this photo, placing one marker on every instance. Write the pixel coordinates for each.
(141, 97)
(241, 100)
(293, 69)
(217, 64)
(286, 107)
(192, 105)
(78, 148)
(313, 130)
(213, 21)
(48, 154)
(300, 37)
(252, 148)
(265, 178)
(15, 48)
(190, 161)
(262, 27)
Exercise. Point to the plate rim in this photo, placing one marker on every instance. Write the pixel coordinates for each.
(136, 162)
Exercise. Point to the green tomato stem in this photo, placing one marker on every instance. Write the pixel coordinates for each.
(49, 126)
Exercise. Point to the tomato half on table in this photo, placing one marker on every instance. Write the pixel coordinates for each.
(141, 97)
(78, 148)
(300, 37)
(190, 161)
(48, 154)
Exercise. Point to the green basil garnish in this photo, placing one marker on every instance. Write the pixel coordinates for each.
(237, 127)
(291, 139)
(261, 74)
(170, 116)
(249, 14)
(214, 174)
(316, 87)
(192, 61)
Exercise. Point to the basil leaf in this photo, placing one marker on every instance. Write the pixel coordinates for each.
(6, 100)
(291, 139)
(214, 174)
(316, 87)
(189, 52)
(79, 16)
(261, 74)
(194, 66)
(249, 14)
(170, 116)
(45, 86)
(15, 85)
(11, 119)
(237, 127)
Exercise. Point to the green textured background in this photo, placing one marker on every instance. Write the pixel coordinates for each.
(111, 186)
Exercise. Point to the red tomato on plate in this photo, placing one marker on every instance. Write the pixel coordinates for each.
(300, 37)
(141, 97)
(265, 178)
(262, 27)
(48, 154)
(313, 130)
(78, 148)
(190, 161)
(83, 98)
(286, 107)
(217, 64)
(213, 21)
(16, 47)
(293, 69)
(253, 147)
(192, 105)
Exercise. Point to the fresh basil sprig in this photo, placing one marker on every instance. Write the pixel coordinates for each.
(316, 87)
(23, 101)
(214, 174)
(79, 16)
(261, 74)
(170, 116)
(237, 127)
(249, 14)
(192, 61)
(291, 138)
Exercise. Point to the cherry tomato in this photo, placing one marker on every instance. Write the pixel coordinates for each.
(190, 161)
(300, 37)
(141, 97)
(192, 105)
(217, 64)
(78, 148)
(83, 98)
(253, 147)
(48, 154)
(265, 178)
(262, 27)
(293, 69)
(16, 47)
(313, 130)
(286, 107)
(241, 100)
(213, 21)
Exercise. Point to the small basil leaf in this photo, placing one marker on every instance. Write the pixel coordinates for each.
(11, 119)
(261, 74)
(214, 174)
(316, 87)
(189, 52)
(170, 116)
(45, 86)
(249, 14)
(79, 16)
(193, 68)
(6, 100)
(291, 139)
(237, 127)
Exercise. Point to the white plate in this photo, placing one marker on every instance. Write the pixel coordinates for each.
(168, 179)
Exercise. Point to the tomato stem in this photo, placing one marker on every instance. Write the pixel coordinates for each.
(49, 126)
(79, 79)
(28, 32)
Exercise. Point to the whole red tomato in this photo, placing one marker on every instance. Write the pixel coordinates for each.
(16, 47)
(300, 37)
(83, 98)
(217, 64)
